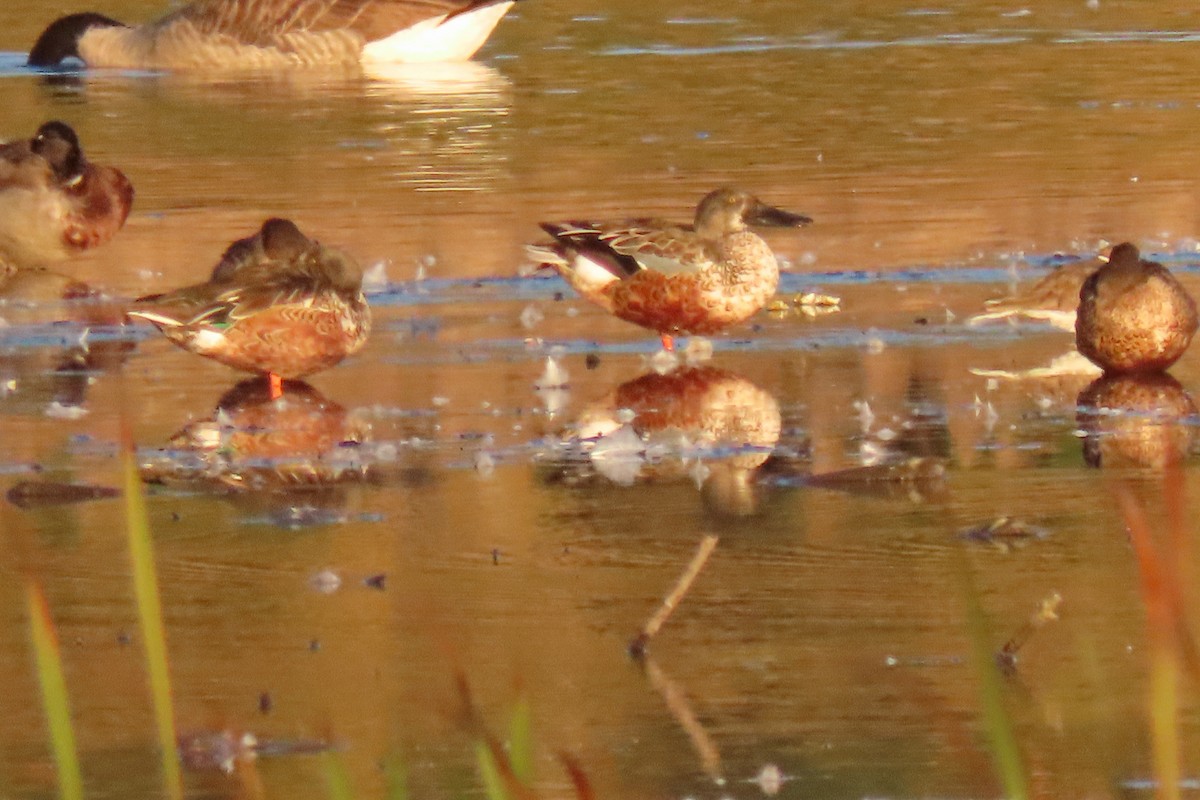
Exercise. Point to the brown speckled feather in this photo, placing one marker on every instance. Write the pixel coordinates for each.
(673, 278)
(261, 21)
(284, 305)
(1134, 316)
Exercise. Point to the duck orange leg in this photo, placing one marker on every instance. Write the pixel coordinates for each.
(276, 386)
(668, 342)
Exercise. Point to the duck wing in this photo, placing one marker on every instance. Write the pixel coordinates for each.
(628, 248)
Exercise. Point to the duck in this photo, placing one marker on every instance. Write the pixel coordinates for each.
(277, 303)
(673, 279)
(274, 34)
(1052, 299)
(1133, 316)
(54, 202)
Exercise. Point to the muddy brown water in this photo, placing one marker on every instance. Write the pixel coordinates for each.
(945, 152)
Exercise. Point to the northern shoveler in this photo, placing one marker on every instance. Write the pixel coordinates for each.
(54, 203)
(1134, 316)
(265, 34)
(673, 279)
(1052, 299)
(277, 303)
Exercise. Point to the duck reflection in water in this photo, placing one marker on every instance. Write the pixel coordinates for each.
(59, 334)
(908, 462)
(287, 456)
(695, 423)
(1136, 421)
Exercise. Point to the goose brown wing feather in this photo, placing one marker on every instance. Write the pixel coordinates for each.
(255, 21)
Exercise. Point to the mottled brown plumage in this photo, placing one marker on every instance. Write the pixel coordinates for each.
(1053, 299)
(1133, 315)
(277, 303)
(673, 279)
(54, 203)
(240, 34)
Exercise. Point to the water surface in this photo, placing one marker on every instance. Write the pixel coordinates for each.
(946, 154)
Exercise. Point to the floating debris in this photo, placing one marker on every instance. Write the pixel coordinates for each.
(698, 350)
(31, 494)
(326, 581)
(375, 279)
(663, 361)
(485, 463)
(914, 478)
(553, 387)
(224, 750)
(554, 376)
(57, 410)
(770, 779)
(866, 417)
(1047, 611)
(531, 315)
(815, 304)
(1004, 532)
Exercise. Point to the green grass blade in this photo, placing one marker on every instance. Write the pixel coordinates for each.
(337, 781)
(396, 778)
(54, 694)
(1003, 741)
(520, 741)
(1164, 720)
(489, 773)
(149, 606)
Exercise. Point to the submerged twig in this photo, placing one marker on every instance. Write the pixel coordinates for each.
(637, 647)
(681, 710)
(1047, 611)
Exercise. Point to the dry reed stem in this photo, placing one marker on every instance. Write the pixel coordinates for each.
(1047, 611)
(681, 710)
(637, 647)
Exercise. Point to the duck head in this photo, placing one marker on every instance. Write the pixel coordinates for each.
(730, 210)
(1124, 254)
(283, 242)
(57, 143)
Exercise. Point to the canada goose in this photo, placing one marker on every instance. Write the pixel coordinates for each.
(54, 203)
(258, 34)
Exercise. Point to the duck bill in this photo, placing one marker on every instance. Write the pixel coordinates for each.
(771, 217)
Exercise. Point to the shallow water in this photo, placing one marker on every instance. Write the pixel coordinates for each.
(946, 154)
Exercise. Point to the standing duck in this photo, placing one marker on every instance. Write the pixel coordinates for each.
(278, 303)
(266, 34)
(54, 203)
(1134, 316)
(674, 279)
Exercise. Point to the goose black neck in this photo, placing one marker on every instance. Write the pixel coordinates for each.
(61, 39)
